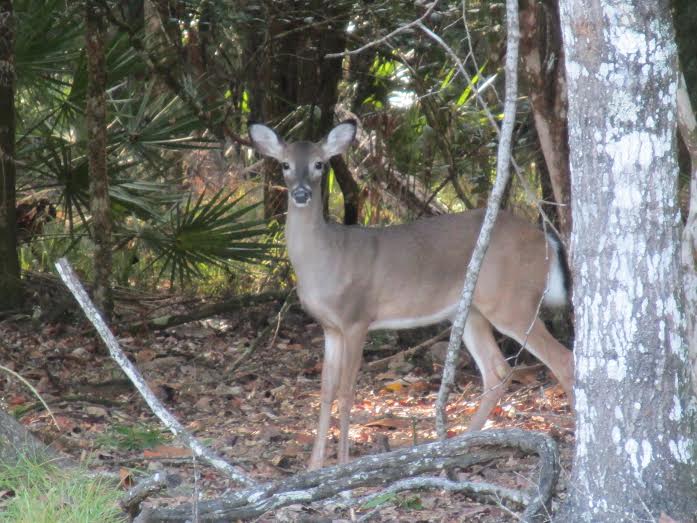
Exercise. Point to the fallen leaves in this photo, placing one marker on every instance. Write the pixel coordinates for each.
(264, 415)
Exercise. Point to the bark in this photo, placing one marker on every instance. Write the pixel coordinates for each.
(349, 189)
(10, 285)
(635, 450)
(96, 155)
(333, 40)
(542, 58)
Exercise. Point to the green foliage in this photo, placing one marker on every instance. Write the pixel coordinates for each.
(205, 232)
(136, 437)
(44, 493)
(157, 222)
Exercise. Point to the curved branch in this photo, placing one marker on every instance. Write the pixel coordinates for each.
(389, 468)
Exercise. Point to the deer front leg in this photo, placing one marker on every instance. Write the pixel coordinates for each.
(351, 362)
(331, 372)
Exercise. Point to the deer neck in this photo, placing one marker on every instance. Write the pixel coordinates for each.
(306, 237)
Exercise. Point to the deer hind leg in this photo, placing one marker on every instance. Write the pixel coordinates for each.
(494, 368)
(531, 333)
(334, 344)
(351, 362)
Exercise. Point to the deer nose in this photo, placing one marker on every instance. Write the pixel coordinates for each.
(301, 195)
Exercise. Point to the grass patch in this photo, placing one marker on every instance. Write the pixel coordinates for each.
(138, 437)
(39, 492)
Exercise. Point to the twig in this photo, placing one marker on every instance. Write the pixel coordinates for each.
(502, 175)
(382, 363)
(260, 337)
(33, 390)
(71, 281)
(490, 117)
(482, 490)
(379, 41)
(202, 311)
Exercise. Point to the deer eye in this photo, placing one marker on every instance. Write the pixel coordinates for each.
(319, 165)
(285, 166)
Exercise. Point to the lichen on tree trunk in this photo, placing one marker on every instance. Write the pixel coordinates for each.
(634, 457)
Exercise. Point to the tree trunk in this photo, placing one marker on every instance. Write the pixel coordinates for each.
(542, 58)
(634, 457)
(17, 442)
(10, 289)
(688, 133)
(333, 40)
(96, 155)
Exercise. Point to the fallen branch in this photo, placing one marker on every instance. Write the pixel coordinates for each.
(130, 503)
(383, 363)
(208, 311)
(475, 489)
(71, 281)
(388, 468)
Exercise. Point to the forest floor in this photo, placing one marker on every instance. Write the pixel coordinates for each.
(261, 415)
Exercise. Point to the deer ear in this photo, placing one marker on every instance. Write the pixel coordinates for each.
(266, 141)
(339, 138)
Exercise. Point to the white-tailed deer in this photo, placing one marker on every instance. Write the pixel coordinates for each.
(355, 279)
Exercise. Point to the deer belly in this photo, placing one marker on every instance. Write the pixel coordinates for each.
(405, 321)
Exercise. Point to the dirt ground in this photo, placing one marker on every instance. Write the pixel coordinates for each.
(262, 414)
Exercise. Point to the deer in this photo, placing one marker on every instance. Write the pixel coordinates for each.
(354, 279)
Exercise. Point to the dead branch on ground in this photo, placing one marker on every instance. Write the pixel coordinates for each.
(392, 468)
(209, 310)
(383, 363)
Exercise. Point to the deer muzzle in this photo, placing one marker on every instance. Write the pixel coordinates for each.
(301, 195)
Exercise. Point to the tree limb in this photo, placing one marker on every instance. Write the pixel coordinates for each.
(379, 41)
(383, 363)
(687, 126)
(388, 468)
(130, 503)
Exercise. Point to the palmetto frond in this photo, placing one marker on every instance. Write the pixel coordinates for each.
(217, 231)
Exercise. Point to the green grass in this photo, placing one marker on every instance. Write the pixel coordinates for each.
(138, 437)
(35, 492)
